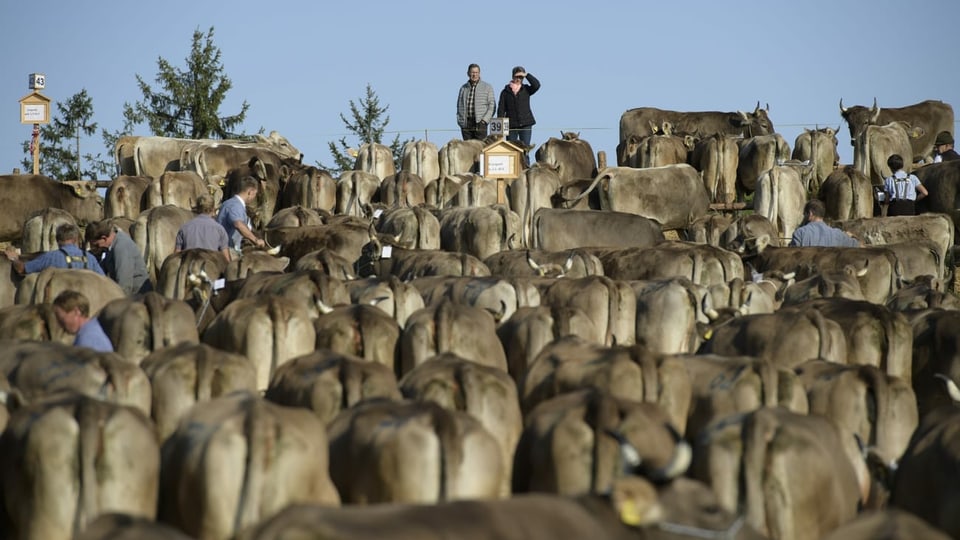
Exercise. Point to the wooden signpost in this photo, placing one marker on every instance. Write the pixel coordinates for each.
(500, 159)
(35, 109)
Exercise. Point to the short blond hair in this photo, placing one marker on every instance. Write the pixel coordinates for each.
(69, 300)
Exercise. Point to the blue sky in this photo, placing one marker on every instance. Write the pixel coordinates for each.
(299, 63)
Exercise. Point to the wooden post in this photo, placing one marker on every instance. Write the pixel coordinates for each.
(601, 160)
(35, 149)
(501, 191)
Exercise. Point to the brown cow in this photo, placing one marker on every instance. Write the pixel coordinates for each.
(796, 476)
(360, 330)
(704, 124)
(467, 331)
(486, 393)
(72, 457)
(847, 194)
(930, 116)
(186, 374)
(328, 383)
(267, 329)
(146, 324)
(722, 386)
(413, 452)
(571, 444)
(571, 156)
(238, 459)
(819, 147)
(26, 194)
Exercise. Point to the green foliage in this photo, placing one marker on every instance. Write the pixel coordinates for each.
(60, 155)
(187, 102)
(367, 122)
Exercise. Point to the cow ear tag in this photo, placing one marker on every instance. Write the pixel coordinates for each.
(386, 251)
(629, 514)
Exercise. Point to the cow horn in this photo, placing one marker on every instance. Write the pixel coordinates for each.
(952, 389)
(533, 264)
(628, 452)
(843, 110)
(323, 307)
(274, 250)
(679, 462)
(568, 264)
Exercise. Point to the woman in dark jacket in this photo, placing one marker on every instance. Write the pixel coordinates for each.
(515, 105)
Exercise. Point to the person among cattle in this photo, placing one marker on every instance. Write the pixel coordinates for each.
(68, 255)
(943, 148)
(121, 259)
(233, 215)
(203, 231)
(72, 309)
(515, 105)
(475, 105)
(903, 189)
(815, 232)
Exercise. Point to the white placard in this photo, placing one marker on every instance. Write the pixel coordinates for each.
(386, 251)
(34, 112)
(37, 81)
(219, 284)
(377, 213)
(499, 164)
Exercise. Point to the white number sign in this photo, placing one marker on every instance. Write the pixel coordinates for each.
(37, 81)
(499, 126)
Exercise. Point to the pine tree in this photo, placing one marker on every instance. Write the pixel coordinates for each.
(188, 101)
(60, 155)
(368, 124)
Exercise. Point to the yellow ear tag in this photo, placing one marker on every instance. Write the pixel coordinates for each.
(629, 514)
(708, 334)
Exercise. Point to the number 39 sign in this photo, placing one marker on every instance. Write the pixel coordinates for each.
(499, 126)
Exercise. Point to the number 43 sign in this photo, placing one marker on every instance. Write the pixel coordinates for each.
(499, 126)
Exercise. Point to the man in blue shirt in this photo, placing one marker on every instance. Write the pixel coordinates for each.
(233, 214)
(72, 310)
(815, 232)
(69, 255)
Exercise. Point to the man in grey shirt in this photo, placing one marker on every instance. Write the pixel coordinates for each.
(475, 105)
(122, 260)
(203, 231)
(815, 232)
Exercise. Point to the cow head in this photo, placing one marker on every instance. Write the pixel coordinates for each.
(754, 123)
(859, 117)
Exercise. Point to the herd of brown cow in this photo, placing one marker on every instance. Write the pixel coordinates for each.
(413, 359)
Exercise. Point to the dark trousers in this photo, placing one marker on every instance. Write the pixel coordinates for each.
(902, 207)
(521, 134)
(474, 130)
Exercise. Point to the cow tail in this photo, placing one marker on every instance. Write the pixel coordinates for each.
(612, 297)
(351, 379)
(854, 199)
(650, 375)
(826, 339)
(138, 161)
(443, 319)
(769, 382)
(359, 336)
(759, 430)
(90, 434)
(205, 372)
(504, 213)
(258, 436)
(589, 189)
(451, 449)
(603, 416)
(154, 304)
(720, 166)
(877, 405)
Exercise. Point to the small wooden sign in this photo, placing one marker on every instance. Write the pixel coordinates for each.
(35, 109)
(500, 159)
